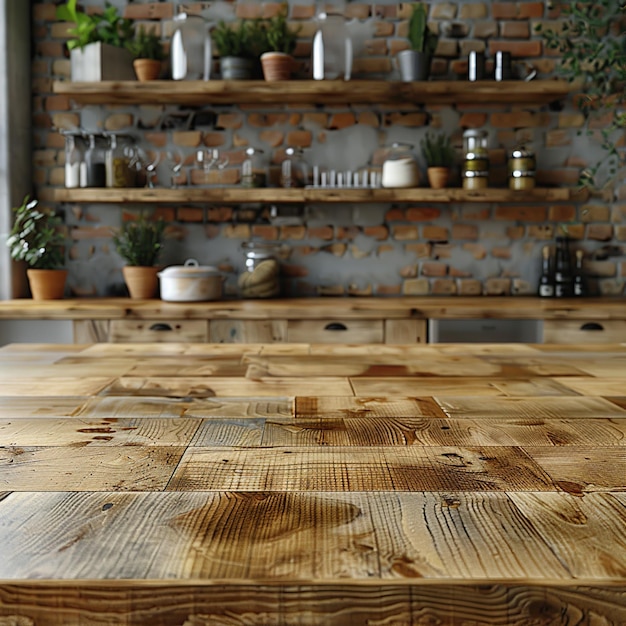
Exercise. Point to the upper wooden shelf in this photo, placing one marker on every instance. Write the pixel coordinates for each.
(202, 93)
(240, 195)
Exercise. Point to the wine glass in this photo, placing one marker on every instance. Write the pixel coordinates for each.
(145, 161)
(208, 158)
(175, 162)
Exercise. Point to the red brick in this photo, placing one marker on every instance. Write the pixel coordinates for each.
(404, 233)
(411, 120)
(435, 233)
(464, 231)
(321, 232)
(519, 49)
(498, 286)
(263, 231)
(515, 30)
(562, 213)
(600, 232)
(470, 287)
(476, 250)
(190, 214)
(434, 269)
(519, 119)
(388, 290)
(444, 287)
(420, 250)
(422, 214)
(150, 11)
(229, 120)
(342, 120)
(299, 138)
(521, 213)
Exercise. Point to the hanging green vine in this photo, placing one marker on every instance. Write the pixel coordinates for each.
(592, 43)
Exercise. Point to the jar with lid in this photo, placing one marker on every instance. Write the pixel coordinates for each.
(261, 278)
(74, 159)
(521, 167)
(253, 172)
(476, 163)
(294, 170)
(400, 169)
(119, 172)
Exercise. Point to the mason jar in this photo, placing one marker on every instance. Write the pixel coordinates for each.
(261, 276)
(521, 166)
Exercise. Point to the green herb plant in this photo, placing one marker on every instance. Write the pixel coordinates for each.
(108, 27)
(420, 37)
(139, 242)
(245, 39)
(438, 150)
(592, 42)
(37, 237)
(281, 37)
(146, 45)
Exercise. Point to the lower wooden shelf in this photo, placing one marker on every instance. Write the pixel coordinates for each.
(240, 195)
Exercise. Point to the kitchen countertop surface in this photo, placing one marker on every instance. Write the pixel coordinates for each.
(334, 485)
(455, 307)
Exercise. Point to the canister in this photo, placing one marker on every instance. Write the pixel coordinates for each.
(476, 162)
(521, 168)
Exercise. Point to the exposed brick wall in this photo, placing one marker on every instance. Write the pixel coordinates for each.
(341, 250)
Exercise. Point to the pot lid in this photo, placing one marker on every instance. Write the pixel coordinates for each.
(191, 268)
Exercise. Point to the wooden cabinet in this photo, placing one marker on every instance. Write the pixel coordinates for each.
(584, 331)
(141, 331)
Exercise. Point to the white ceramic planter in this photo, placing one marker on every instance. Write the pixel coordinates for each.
(100, 61)
(191, 283)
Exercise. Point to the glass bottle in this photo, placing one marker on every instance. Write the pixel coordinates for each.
(95, 169)
(118, 162)
(252, 171)
(476, 163)
(332, 48)
(580, 284)
(73, 161)
(546, 280)
(562, 269)
(261, 278)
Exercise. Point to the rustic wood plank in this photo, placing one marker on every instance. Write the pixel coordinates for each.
(587, 534)
(605, 386)
(406, 331)
(614, 366)
(344, 407)
(544, 407)
(193, 387)
(248, 331)
(579, 470)
(239, 432)
(99, 468)
(359, 469)
(53, 386)
(429, 431)
(150, 331)
(490, 602)
(42, 406)
(112, 431)
(125, 406)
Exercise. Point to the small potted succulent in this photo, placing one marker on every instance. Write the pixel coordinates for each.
(239, 46)
(38, 239)
(98, 43)
(147, 50)
(278, 62)
(439, 156)
(139, 243)
(415, 62)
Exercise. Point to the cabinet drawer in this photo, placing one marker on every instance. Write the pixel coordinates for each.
(158, 331)
(581, 331)
(247, 331)
(335, 331)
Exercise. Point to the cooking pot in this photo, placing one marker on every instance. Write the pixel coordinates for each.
(191, 282)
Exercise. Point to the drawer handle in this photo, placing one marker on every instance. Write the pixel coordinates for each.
(335, 326)
(160, 327)
(592, 326)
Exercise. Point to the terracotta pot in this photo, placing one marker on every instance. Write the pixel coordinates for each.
(147, 69)
(277, 66)
(142, 282)
(438, 177)
(47, 284)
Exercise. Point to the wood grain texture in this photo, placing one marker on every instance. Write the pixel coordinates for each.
(228, 484)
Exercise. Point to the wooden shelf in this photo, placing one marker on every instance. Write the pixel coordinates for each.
(237, 195)
(309, 92)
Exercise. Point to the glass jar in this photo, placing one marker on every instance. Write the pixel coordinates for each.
(400, 167)
(476, 161)
(119, 172)
(73, 159)
(521, 167)
(95, 168)
(294, 171)
(253, 172)
(261, 277)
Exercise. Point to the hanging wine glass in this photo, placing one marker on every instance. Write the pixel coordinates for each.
(208, 158)
(145, 160)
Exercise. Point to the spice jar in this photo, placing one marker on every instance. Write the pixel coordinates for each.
(400, 167)
(119, 172)
(261, 277)
(521, 167)
(476, 163)
(294, 171)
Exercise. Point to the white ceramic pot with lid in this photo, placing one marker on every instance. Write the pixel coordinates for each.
(191, 282)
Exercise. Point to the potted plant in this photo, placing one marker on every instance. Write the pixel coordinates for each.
(592, 42)
(37, 238)
(415, 63)
(439, 156)
(239, 47)
(147, 49)
(278, 62)
(98, 43)
(139, 243)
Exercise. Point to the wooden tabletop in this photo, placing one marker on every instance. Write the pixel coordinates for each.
(329, 485)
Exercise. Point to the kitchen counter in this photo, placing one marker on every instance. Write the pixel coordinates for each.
(312, 484)
(456, 307)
